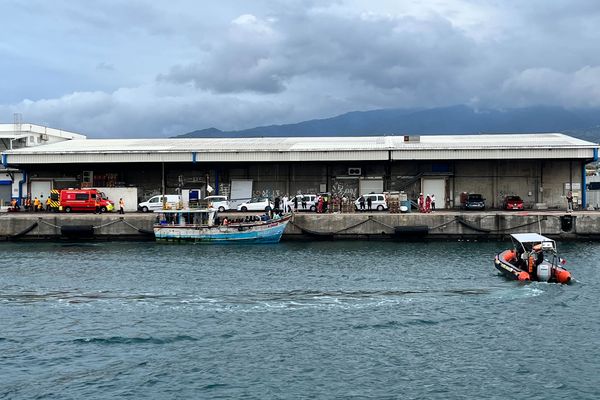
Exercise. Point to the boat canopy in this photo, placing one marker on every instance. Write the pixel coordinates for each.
(530, 238)
(528, 241)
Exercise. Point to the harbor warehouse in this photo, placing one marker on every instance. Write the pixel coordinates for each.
(540, 168)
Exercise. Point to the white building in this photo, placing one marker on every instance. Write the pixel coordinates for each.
(541, 168)
(17, 136)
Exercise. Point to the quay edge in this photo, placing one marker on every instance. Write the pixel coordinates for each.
(443, 225)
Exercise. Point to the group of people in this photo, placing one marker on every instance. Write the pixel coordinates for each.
(426, 203)
(267, 216)
(529, 264)
(37, 205)
(323, 203)
(361, 203)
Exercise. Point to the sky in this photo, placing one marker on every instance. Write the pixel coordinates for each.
(143, 68)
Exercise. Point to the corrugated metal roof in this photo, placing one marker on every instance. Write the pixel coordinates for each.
(308, 148)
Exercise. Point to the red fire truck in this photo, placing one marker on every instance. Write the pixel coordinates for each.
(84, 200)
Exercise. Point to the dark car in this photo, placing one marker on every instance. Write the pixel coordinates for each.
(474, 202)
(512, 203)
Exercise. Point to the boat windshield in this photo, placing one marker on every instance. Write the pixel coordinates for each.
(527, 243)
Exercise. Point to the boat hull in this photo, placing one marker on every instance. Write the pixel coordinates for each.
(269, 232)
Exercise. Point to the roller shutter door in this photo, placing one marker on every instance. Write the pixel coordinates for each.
(40, 189)
(241, 191)
(437, 187)
(371, 185)
(5, 194)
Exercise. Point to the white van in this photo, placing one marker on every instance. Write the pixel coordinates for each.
(156, 202)
(308, 200)
(378, 202)
(219, 202)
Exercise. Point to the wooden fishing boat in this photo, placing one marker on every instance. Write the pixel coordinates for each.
(204, 226)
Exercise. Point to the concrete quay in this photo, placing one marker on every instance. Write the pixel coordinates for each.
(441, 225)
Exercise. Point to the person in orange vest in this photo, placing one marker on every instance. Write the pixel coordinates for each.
(48, 204)
(36, 204)
(14, 206)
(510, 256)
(536, 257)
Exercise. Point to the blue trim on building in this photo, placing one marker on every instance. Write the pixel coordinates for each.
(5, 182)
(595, 154)
(21, 182)
(5, 160)
(194, 154)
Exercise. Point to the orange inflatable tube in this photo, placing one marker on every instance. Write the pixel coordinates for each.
(562, 275)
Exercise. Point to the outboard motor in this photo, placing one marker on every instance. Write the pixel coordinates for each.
(544, 272)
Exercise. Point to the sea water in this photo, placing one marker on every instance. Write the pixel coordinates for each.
(324, 320)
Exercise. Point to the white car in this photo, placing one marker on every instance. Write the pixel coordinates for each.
(377, 202)
(310, 202)
(259, 204)
(219, 202)
(156, 202)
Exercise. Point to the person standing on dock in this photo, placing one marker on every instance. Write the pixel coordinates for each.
(427, 204)
(433, 202)
(36, 204)
(421, 203)
(286, 204)
(121, 206)
(570, 201)
(277, 201)
(370, 203)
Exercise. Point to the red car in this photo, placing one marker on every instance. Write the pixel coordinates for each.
(512, 203)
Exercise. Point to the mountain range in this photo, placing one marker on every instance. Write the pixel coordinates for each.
(454, 120)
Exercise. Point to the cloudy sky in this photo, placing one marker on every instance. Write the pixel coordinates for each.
(144, 68)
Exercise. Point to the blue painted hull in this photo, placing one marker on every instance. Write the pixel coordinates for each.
(244, 233)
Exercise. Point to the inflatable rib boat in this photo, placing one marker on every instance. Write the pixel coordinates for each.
(533, 257)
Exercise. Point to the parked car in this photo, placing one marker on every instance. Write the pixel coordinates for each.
(474, 201)
(378, 201)
(258, 204)
(512, 203)
(219, 202)
(309, 199)
(156, 202)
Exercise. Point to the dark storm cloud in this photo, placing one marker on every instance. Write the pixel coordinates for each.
(171, 68)
(263, 55)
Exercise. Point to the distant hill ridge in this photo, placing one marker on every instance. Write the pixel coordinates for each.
(455, 120)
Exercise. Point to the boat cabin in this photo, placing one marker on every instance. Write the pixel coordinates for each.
(198, 217)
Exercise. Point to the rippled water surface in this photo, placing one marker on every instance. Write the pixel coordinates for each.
(290, 321)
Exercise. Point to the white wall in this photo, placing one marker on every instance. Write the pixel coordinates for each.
(15, 186)
(129, 195)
